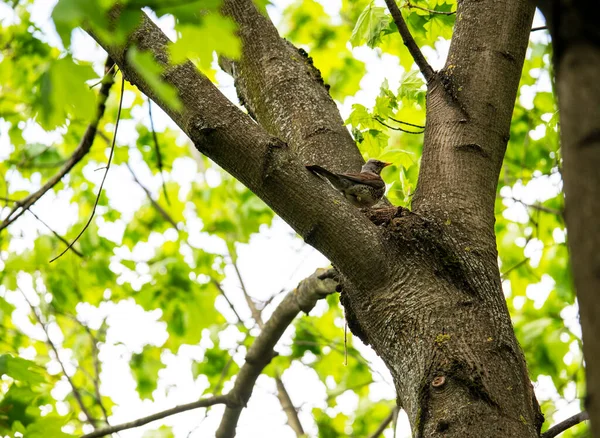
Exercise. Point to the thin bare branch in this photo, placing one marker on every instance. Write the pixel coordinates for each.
(82, 149)
(409, 5)
(535, 29)
(512, 268)
(222, 292)
(112, 150)
(58, 236)
(253, 309)
(303, 298)
(409, 41)
(385, 423)
(397, 128)
(220, 399)
(288, 407)
(154, 203)
(406, 123)
(74, 389)
(564, 425)
(538, 207)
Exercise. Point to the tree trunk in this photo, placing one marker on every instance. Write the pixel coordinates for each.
(576, 41)
(421, 287)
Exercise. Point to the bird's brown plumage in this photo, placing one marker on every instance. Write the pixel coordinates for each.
(362, 189)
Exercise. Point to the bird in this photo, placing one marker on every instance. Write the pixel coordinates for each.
(363, 189)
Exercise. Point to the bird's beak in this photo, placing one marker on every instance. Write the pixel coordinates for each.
(387, 164)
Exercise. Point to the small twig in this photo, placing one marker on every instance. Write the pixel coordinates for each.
(397, 128)
(385, 423)
(406, 123)
(253, 309)
(159, 162)
(220, 399)
(535, 29)
(409, 41)
(112, 150)
(58, 236)
(512, 268)
(288, 407)
(537, 207)
(222, 292)
(105, 77)
(82, 149)
(409, 5)
(564, 425)
(154, 203)
(74, 388)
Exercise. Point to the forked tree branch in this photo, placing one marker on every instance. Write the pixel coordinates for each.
(303, 298)
(285, 92)
(564, 425)
(282, 393)
(58, 236)
(82, 149)
(269, 167)
(409, 41)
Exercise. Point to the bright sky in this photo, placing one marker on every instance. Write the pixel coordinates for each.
(275, 259)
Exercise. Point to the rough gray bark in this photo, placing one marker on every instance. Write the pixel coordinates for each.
(576, 40)
(422, 287)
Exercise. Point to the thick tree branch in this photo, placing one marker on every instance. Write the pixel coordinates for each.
(82, 149)
(220, 399)
(285, 93)
(282, 393)
(409, 41)
(470, 107)
(564, 425)
(260, 161)
(303, 298)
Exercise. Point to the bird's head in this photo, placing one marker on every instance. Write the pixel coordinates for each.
(374, 166)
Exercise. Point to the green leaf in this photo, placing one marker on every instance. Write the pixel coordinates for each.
(411, 88)
(218, 366)
(215, 33)
(69, 14)
(161, 432)
(47, 427)
(64, 93)
(151, 72)
(371, 22)
(145, 367)
(21, 369)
